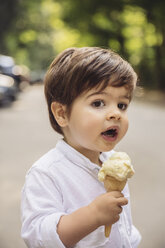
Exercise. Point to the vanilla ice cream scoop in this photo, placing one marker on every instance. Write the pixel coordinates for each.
(117, 166)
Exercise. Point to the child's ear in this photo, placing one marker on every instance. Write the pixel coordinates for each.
(59, 113)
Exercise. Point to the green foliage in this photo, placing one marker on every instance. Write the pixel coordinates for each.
(135, 29)
(8, 10)
(38, 30)
(29, 38)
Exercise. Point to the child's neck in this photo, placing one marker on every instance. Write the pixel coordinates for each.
(93, 156)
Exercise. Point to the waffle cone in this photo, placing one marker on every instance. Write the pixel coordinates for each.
(111, 184)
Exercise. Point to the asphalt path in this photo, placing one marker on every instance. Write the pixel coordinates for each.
(25, 135)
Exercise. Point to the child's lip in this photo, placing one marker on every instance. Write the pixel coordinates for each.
(109, 137)
(111, 127)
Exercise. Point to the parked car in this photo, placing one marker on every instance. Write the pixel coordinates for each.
(20, 74)
(8, 90)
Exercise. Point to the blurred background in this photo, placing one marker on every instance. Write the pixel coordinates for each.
(32, 34)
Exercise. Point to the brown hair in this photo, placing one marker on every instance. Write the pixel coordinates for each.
(77, 70)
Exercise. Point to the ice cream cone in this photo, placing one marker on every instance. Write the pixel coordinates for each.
(114, 173)
(111, 184)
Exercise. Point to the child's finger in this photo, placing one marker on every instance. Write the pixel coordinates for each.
(122, 201)
(116, 194)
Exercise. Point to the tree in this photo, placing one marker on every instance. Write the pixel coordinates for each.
(155, 15)
(29, 39)
(8, 12)
(135, 29)
(40, 29)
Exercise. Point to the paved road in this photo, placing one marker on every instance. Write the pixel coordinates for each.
(25, 135)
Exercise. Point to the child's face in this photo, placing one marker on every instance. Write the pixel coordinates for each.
(98, 120)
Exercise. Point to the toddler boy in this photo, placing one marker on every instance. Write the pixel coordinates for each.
(88, 91)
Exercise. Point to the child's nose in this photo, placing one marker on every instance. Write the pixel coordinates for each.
(114, 115)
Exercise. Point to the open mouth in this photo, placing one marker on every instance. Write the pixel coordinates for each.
(112, 132)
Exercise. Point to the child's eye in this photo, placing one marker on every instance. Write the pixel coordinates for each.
(122, 106)
(98, 104)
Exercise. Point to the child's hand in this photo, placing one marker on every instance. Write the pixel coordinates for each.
(107, 207)
(104, 210)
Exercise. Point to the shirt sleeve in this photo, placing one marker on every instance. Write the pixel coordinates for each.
(41, 209)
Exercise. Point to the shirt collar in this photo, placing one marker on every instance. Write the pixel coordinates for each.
(79, 159)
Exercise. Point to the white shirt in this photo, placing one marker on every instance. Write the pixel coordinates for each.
(60, 182)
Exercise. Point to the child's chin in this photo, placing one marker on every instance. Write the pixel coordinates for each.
(107, 149)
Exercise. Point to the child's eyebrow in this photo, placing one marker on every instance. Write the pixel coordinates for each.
(96, 93)
(127, 96)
